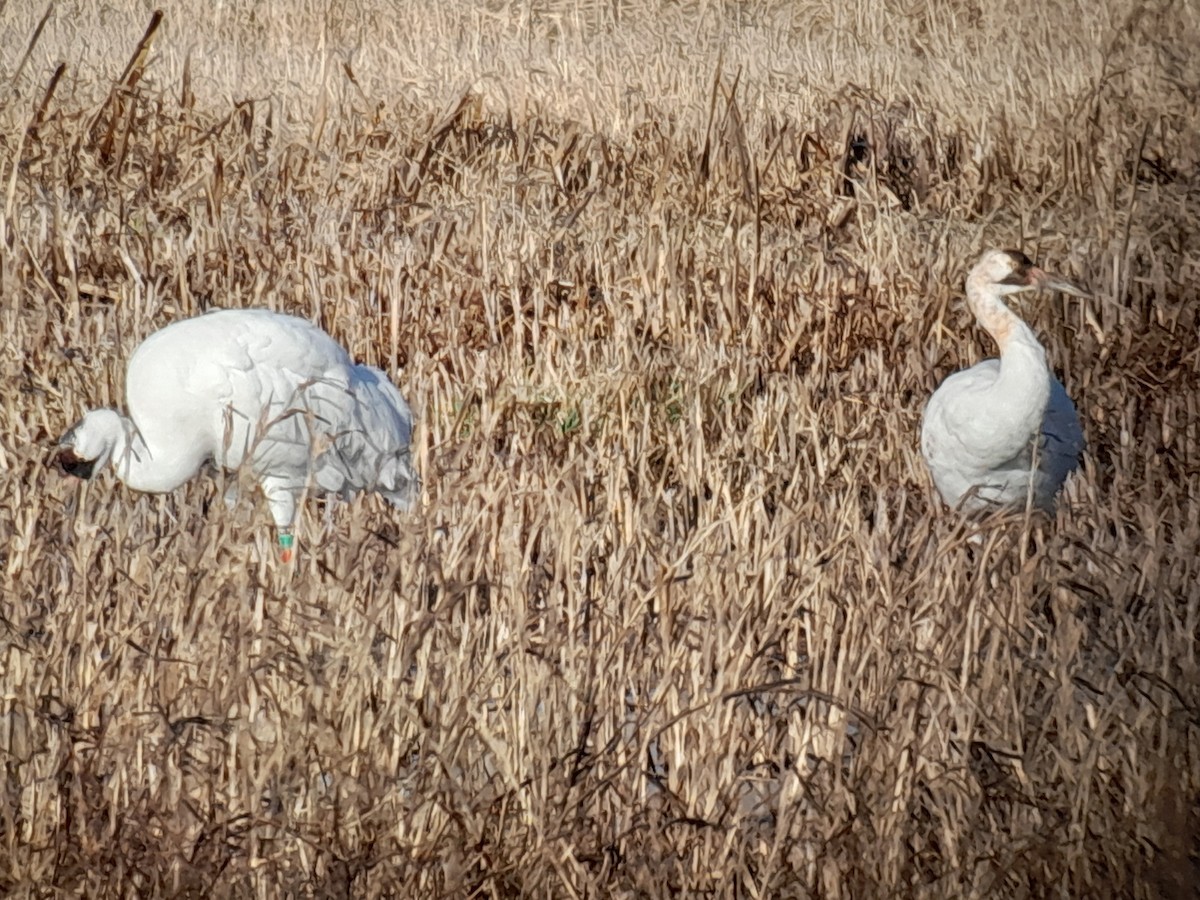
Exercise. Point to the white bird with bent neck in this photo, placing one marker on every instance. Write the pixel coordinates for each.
(251, 387)
(1004, 432)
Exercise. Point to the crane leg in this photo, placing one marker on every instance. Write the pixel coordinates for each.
(282, 497)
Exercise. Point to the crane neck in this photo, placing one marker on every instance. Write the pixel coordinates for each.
(1022, 388)
(140, 466)
(1006, 328)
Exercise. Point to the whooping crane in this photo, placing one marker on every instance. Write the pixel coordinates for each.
(258, 388)
(1004, 430)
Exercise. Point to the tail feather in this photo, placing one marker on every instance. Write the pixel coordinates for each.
(371, 448)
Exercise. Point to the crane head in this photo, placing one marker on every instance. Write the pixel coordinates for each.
(89, 444)
(71, 463)
(1011, 271)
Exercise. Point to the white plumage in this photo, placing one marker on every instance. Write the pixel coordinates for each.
(1004, 431)
(258, 388)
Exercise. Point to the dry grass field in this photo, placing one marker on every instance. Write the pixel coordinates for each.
(679, 613)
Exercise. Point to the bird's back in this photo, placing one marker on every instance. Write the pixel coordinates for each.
(208, 379)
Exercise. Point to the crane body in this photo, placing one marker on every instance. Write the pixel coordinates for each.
(252, 388)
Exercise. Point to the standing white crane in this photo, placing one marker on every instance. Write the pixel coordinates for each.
(252, 387)
(1004, 432)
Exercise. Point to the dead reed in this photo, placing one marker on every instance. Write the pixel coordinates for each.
(680, 614)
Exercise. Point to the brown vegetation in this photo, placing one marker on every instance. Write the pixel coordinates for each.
(667, 286)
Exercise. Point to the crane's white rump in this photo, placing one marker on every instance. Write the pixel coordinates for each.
(1003, 432)
(257, 388)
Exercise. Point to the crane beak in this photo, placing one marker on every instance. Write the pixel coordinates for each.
(1048, 282)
